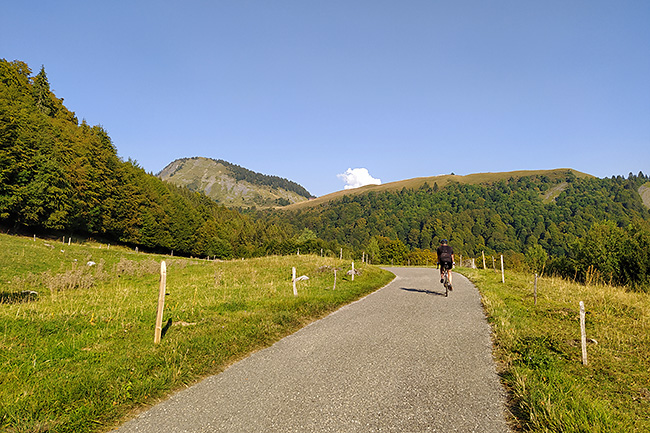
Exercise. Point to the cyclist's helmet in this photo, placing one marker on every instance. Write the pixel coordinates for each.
(444, 241)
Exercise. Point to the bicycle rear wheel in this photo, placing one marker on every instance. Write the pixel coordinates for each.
(446, 283)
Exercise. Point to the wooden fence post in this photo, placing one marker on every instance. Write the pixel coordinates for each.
(334, 280)
(161, 302)
(535, 289)
(352, 271)
(293, 278)
(483, 254)
(341, 254)
(583, 333)
(503, 278)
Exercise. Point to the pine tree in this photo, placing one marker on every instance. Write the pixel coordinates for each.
(42, 95)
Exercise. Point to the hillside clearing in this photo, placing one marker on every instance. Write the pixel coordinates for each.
(554, 192)
(644, 192)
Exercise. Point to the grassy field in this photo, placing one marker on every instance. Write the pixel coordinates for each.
(79, 356)
(539, 353)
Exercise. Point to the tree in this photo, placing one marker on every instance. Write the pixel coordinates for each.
(391, 251)
(373, 249)
(598, 252)
(42, 95)
(536, 258)
(306, 235)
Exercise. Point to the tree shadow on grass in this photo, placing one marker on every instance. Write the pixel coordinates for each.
(18, 297)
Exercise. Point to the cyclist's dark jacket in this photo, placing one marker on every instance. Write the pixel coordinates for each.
(445, 253)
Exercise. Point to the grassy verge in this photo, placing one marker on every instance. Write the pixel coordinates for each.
(79, 356)
(539, 351)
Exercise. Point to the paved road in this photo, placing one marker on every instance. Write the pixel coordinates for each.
(403, 359)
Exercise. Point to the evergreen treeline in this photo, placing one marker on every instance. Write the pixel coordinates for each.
(57, 174)
(242, 173)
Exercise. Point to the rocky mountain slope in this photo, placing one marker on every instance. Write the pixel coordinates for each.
(232, 185)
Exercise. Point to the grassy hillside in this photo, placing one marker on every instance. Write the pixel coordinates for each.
(539, 353)
(442, 181)
(232, 185)
(79, 356)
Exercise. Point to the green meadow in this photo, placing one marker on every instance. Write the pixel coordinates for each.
(79, 356)
(538, 349)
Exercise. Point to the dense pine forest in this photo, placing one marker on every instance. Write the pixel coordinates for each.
(59, 175)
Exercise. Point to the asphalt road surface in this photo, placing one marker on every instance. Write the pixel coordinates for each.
(403, 359)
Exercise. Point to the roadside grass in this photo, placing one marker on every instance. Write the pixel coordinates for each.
(539, 353)
(79, 356)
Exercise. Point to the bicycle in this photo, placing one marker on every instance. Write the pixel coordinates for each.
(445, 279)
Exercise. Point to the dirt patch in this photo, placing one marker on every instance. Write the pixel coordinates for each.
(554, 192)
(644, 192)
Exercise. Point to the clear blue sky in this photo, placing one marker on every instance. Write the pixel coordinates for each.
(308, 89)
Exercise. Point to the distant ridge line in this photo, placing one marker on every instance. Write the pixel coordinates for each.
(442, 181)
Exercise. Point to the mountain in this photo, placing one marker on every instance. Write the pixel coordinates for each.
(442, 181)
(232, 185)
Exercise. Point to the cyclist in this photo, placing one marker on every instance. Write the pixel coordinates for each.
(445, 260)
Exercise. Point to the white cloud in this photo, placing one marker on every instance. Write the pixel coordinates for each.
(356, 177)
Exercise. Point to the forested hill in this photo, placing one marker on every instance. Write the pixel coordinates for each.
(441, 181)
(556, 215)
(550, 209)
(232, 185)
(59, 175)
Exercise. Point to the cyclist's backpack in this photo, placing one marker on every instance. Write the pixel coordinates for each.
(445, 253)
